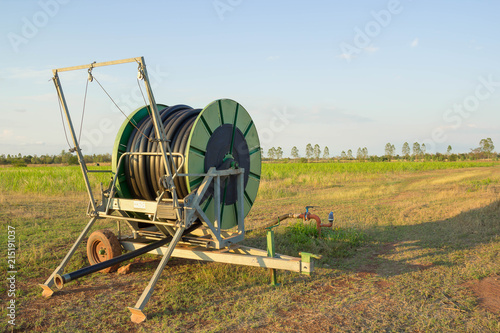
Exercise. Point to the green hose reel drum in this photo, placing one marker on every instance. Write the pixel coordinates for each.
(222, 135)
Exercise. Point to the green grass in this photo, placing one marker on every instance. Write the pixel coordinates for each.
(287, 170)
(334, 242)
(54, 180)
(287, 180)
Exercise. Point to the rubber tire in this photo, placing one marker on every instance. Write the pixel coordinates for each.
(103, 239)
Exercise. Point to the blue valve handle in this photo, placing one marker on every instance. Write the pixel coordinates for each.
(307, 209)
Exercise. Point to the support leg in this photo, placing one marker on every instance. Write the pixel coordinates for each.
(271, 253)
(47, 291)
(137, 315)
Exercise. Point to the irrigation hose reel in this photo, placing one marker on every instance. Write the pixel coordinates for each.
(222, 135)
(183, 181)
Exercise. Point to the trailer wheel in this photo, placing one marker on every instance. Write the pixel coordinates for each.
(101, 246)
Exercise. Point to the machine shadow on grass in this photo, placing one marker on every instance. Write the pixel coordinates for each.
(388, 250)
(408, 248)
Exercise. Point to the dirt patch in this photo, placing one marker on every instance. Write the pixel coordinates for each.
(487, 291)
(371, 267)
(382, 285)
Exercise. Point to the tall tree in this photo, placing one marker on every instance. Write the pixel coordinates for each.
(359, 154)
(316, 151)
(364, 151)
(279, 153)
(389, 150)
(326, 153)
(405, 151)
(349, 154)
(271, 153)
(261, 152)
(448, 150)
(309, 151)
(295, 152)
(416, 149)
(343, 155)
(423, 149)
(486, 145)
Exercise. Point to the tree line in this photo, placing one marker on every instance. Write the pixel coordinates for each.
(416, 152)
(62, 158)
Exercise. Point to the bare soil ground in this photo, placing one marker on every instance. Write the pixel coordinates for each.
(487, 291)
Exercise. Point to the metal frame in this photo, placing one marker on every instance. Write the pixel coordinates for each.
(169, 217)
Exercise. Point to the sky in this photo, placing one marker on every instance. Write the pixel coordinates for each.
(342, 74)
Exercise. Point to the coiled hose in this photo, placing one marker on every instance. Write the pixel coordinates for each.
(145, 172)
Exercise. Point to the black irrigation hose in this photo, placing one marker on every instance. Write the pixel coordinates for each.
(60, 280)
(144, 172)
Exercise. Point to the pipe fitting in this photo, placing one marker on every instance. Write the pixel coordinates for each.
(308, 216)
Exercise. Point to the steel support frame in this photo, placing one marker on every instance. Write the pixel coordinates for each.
(238, 255)
(158, 125)
(164, 148)
(186, 213)
(47, 291)
(76, 148)
(191, 209)
(137, 315)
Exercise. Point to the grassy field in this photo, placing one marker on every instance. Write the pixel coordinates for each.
(414, 248)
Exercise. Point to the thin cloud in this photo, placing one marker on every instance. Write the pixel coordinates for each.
(346, 56)
(272, 58)
(472, 44)
(44, 75)
(483, 127)
(332, 115)
(25, 73)
(414, 43)
(6, 134)
(371, 49)
(40, 98)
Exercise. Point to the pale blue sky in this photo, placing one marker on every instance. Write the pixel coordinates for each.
(302, 69)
